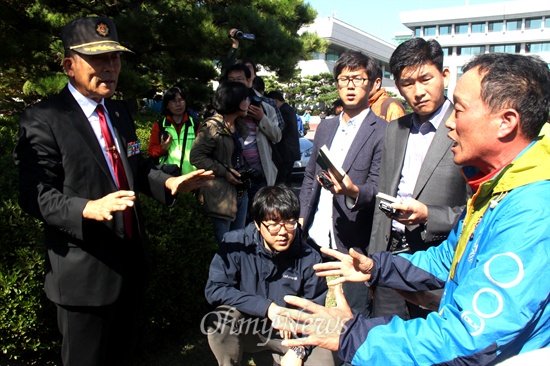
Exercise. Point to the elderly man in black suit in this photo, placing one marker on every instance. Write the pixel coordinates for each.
(79, 165)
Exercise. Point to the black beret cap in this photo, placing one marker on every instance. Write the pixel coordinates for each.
(91, 36)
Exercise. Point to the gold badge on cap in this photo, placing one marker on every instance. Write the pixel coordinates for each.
(102, 29)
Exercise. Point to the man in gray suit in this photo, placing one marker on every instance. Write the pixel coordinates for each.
(417, 168)
(339, 216)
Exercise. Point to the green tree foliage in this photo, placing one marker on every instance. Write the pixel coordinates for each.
(174, 41)
(315, 92)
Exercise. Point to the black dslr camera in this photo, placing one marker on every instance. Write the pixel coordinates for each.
(247, 177)
(239, 34)
(254, 98)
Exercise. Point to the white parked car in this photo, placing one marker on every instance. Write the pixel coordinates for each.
(305, 153)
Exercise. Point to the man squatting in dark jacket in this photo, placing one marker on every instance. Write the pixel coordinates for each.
(253, 270)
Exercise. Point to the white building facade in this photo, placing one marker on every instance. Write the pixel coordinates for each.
(521, 27)
(340, 37)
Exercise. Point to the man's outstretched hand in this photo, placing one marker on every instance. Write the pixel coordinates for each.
(352, 267)
(189, 182)
(322, 325)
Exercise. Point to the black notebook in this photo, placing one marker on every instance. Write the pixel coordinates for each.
(326, 162)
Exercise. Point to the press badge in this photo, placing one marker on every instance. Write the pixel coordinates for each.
(133, 148)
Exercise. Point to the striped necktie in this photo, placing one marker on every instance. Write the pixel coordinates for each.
(118, 168)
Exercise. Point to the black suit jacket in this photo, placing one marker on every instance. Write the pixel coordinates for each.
(289, 146)
(61, 168)
(352, 224)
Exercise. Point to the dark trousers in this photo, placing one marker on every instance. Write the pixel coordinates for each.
(100, 335)
(284, 172)
(385, 300)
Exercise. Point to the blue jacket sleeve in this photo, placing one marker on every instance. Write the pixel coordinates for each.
(425, 270)
(496, 306)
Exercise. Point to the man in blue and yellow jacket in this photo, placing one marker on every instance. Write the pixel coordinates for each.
(494, 265)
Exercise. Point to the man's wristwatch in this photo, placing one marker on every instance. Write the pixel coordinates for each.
(300, 352)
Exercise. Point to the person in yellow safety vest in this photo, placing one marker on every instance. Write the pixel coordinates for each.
(172, 137)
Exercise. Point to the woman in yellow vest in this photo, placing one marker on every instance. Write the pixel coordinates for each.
(172, 137)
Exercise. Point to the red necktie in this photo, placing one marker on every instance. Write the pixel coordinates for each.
(116, 163)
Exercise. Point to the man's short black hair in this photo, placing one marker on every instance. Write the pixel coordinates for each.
(229, 96)
(245, 61)
(337, 103)
(258, 84)
(275, 203)
(414, 53)
(238, 67)
(355, 60)
(275, 94)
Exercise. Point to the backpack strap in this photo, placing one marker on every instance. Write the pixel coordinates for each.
(184, 145)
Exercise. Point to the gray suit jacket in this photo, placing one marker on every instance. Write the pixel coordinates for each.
(352, 225)
(440, 185)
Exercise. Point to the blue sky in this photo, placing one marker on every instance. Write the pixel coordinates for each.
(380, 18)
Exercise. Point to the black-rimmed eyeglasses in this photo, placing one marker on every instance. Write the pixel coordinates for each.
(274, 228)
(357, 81)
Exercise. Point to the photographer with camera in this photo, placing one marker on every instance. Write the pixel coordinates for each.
(263, 131)
(219, 146)
(172, 137)
(234, 35)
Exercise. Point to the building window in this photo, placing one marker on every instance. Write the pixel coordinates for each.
(446, 51)
(429, 31)
(537, 47)
(470, 50)
(445, 30)
(496, 26)
(533, 23)
(478, 27)
(513, 25)
(315, 56)
(461, 29)
(418, 32)
(459, 71)
(331, 57)
(547, 22)
(507, 48)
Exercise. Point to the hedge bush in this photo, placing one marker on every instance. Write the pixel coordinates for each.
(181, 244)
